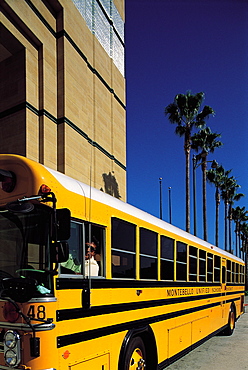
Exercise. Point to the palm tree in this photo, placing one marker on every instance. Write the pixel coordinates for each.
(234, 197)
(185, 112)
(239, 215)
(244, 238)
(216, 176)
(228, 191)
(206, 141)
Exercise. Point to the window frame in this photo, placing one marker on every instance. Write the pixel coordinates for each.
(82, 224)
(121, 252)
(167, 260)
(146, 256)
(179, 262)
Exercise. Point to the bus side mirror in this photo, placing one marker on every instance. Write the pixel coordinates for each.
(60, 252)
(63, 224)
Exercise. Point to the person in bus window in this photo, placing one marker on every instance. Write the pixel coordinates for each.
(91, 265)
(71, 265)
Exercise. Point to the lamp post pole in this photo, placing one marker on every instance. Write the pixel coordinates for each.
(170, 208)
(160, 199)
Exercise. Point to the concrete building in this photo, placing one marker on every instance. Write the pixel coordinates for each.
(62, 89)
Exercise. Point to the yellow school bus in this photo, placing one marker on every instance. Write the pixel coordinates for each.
(89, 282)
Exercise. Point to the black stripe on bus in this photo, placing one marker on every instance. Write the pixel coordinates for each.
(76, 313)
(72, 283)
(74, 338)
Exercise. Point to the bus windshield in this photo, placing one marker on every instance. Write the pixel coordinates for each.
(24, 247)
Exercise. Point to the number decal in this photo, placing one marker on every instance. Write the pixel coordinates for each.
(37, 312)
(31, 313)
(41, 313)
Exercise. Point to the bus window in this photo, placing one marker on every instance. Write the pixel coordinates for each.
(73, 264)
(216, 269)
(210, 267)
(167, 258)
(237, 273)
(192, 263)
(233, 272)
(123, 236)
(228, 271)
(148, 254)
(223, 274)
(94, 235)
(181, 272)
(242, 277)
(79, 262)
(202, 265)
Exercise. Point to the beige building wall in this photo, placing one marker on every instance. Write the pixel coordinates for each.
(62, 95)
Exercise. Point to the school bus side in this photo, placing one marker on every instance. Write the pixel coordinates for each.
(170, 313)
(159, 288)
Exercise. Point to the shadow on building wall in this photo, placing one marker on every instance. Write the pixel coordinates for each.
(111, 185)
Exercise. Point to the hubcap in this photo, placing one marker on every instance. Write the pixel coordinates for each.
(232, 320)
(137, 362)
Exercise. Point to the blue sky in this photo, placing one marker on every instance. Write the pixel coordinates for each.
(173, 46)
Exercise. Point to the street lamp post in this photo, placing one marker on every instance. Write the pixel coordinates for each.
(170, 208)
(160, 199)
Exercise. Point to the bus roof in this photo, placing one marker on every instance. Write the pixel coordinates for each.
(99, 196)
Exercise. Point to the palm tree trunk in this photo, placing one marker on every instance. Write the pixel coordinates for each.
(217, 209)
(204, 198)
(240, 251)
(187, 180)
(236, 238)
(230, 227)
(226, 228)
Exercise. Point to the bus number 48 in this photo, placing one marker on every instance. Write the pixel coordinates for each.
(38, 312)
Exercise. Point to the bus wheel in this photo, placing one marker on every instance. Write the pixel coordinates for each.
(135, 358)
(231, 322)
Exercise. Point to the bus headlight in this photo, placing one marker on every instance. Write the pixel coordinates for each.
(10, 358)
(12, 348)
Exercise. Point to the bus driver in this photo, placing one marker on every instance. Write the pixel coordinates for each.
(91, 265)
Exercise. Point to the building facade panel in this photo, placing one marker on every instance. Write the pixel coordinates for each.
(102, 64)
(32, 77)
(48, 139)
(119, 85)
(103, 116)
(78, 156)
(13, 133)
(62, 66)
(119, 131)
(77, 88)
(76, 30)
(32, 135)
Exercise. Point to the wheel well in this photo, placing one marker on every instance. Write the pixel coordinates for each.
(150, 342)
(147, 335)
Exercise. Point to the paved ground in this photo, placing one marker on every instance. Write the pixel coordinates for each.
(219, 353)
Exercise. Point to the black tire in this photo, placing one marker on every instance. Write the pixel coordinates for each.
(231, 322)
(135, 357)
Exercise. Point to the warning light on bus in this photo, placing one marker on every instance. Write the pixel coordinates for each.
(7, 181)
(10, 312)
(44, 189)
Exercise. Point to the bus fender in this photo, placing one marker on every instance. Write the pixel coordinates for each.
(147, 336)
(231, 320)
